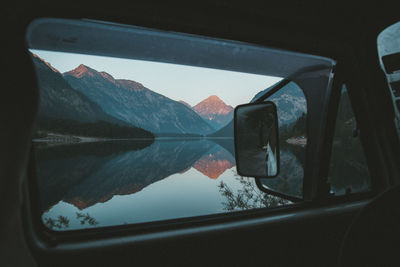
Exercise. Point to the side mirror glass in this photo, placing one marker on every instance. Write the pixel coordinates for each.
(256, 140)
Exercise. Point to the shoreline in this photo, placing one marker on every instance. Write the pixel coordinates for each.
(63, 139)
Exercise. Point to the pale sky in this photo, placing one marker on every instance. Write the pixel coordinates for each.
(178, 82)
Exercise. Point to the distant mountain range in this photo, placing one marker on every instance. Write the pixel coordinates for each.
(63, 109)
(131, 102)
(87, 95)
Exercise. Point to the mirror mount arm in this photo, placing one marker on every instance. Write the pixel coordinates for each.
(290, 78)
(276, 194)
(276, 88)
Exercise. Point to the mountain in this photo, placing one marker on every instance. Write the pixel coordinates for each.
(59, 100)
(291, 104)
(290, 101)
(65, 110)
(214, 111)
(39, 59)
(186, 104)
(131, 102)
(226, 131)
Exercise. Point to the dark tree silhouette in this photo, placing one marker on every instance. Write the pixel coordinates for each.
(60, 223)
(86, 218)
(45, 125)
(248, 197)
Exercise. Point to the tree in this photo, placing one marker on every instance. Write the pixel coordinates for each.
(59, 223)
(248, 197)
(62, 222)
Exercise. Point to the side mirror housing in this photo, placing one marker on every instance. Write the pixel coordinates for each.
(256, 140)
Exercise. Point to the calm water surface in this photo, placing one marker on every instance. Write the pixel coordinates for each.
(113, 183)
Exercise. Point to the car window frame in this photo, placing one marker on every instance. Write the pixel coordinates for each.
(53, 237)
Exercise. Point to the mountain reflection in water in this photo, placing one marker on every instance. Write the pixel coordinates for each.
(215, 162)
(112, 183)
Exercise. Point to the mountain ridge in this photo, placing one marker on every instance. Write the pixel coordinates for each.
(132, 102)
(45, 62)
(62, 109)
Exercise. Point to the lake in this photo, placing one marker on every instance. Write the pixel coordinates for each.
(126, 182)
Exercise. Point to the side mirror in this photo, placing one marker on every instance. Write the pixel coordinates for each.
(257, 140)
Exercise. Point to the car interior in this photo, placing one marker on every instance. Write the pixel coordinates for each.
(207, 133)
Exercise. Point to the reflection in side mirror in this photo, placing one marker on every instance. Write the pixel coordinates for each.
(256, 140)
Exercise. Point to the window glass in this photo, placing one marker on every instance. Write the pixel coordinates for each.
(292, 115)
(125, 141)
(348, 170)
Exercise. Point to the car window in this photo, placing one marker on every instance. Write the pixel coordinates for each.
(141, 130)
(348, 170)
(112, 151)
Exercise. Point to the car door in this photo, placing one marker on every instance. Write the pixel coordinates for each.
(242, 239)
